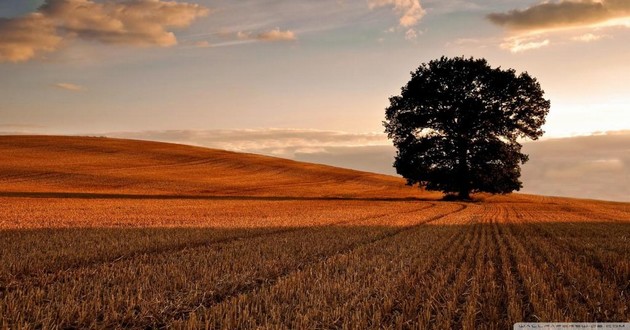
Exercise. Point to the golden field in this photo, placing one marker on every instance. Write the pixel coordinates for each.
(109, 233)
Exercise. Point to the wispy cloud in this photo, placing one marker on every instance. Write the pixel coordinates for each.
(595, 166)
(520, 44)
(278, 142)
(588, 37)
(276, 35)
(410, 11)
(131, 22)
(411, 34)
(69, 87)
(202, 44)
(563, 21)
(206, 44)
(21, 129)
(270, 35)
(563, 14)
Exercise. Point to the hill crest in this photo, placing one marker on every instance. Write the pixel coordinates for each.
(79, 164)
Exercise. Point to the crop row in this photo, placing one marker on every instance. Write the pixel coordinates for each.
(354, 264)
(150, 288)
(47, 250)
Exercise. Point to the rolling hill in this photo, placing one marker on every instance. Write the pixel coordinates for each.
(106, 165)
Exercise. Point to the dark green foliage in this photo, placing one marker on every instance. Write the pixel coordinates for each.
(456, 125)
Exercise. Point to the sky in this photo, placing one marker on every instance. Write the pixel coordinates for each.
(296, 78)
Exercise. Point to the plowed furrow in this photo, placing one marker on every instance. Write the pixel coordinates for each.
(16, 279)
(338, 273)
(133, 277)
(535, 283)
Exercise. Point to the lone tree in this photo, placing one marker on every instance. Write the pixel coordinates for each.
(456, 124)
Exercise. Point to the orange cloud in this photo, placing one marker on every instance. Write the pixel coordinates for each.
(410, 10)
(271, 35)
(276, 35)
(22, 38)
(69, 87)
(560, 22)
(563, 14)
(202, 44)
(131, 22)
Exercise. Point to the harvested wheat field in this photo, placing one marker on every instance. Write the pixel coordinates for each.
(109, 233)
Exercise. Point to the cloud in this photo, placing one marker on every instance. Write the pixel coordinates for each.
(411, 34)
(69, 87)
(276, 35)
(410, 11)
(560, 21)
(376, 159)
(131, 22)
(271, 35)
(588, 37)
(202, 44)
(21, 129)
(521, 44)
(549, 15)
(595, 166)
(243, 35)
(24, 37)
(280, 142)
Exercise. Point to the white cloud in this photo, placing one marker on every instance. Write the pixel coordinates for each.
(69, 87)
(588, 37)
(243, 35)
(284, 142)
(131, 22)
(521, 44)
(410, 11)
(411, 34)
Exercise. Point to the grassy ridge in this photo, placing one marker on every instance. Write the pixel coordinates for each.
(105, 165)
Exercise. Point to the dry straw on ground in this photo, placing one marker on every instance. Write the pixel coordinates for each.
(165, 236)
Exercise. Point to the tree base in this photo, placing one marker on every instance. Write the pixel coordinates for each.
(451, 197)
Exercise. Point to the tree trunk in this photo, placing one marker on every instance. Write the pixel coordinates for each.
(464, 194)
(464, 179)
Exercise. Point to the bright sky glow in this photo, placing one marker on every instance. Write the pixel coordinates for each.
(323, 65)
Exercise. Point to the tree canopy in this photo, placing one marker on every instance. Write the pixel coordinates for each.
(456, 124)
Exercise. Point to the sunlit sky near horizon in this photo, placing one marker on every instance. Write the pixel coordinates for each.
(88, 66)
